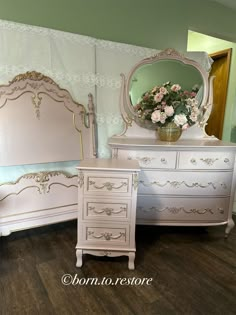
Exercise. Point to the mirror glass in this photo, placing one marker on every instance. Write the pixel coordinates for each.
(149, 75)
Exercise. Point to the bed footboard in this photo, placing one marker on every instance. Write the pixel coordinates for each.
(36, 199)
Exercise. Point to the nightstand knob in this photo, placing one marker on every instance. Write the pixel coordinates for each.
(193, 161)
(226, 160)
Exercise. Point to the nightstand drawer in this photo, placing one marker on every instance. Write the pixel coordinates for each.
(206, 160)
(106, 209)
(108, 184)
(150, 159)
(105, 235)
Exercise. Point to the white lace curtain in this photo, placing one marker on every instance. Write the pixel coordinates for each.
(80, 64)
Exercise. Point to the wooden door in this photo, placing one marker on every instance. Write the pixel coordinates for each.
(220, 69)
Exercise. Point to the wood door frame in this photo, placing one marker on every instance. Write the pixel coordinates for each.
(216, 55)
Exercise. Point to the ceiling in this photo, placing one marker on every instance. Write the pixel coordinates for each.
(227, 3)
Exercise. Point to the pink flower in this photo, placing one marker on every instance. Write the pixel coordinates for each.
(156, 116)
(185, 126)
(158, 97)
(175, 87)
(163, 90)
(192, 94)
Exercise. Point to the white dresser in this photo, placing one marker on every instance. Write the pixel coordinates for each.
(107, 208)
(189, 182)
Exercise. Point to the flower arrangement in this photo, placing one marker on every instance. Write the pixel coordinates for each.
(169, 103)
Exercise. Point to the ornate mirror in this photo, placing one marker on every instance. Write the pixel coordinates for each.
(165, 72)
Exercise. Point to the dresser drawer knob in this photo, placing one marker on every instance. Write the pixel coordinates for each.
(193, 161)
(221, 210)
(108, 211)
(163, 160)
(226, 160)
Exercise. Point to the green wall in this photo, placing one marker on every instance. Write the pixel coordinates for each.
(150, 23)
(197, 41)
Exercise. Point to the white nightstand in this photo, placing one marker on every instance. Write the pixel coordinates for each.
(107, 208)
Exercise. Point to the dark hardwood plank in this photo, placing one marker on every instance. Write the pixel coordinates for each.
(21, 289)
(193, 272)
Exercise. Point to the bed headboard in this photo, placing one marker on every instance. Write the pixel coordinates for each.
(40, 122)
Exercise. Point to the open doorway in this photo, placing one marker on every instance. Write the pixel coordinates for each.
(222, 119)
(220, 70)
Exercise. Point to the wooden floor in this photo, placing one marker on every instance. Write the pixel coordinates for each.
(193, 271)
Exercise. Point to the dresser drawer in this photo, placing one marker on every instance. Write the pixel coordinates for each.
(206, 160)
(106, 209)
(98, 183)
(104, 234)
(185, 183)
(181, 209)
(150, 159)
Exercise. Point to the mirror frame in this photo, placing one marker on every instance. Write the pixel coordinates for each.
(127, 110)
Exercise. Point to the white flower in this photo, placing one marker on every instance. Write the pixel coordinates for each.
(193, 117)
(156, 116)
(158, 97)
(180, 120)
(195, 87)
(167, 83)
(169, 110)
(195, 110)
(175, 87)
(189, 102)
(192, 102)
(163, 117)
(154, 89)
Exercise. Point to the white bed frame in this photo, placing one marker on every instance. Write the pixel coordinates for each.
(40, 123)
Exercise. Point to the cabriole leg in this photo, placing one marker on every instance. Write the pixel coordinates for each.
(79, 254)
(229, 227)
(131, 260)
